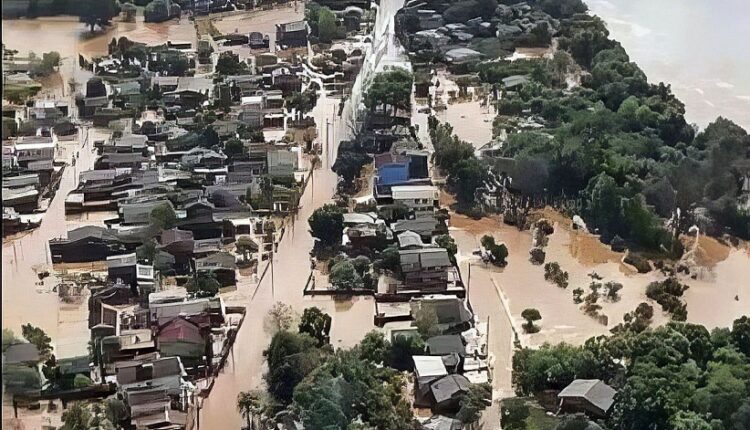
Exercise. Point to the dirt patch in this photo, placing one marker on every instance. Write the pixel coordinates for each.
(589, 250)
(476, 227)
(584, 247)
(92, 266)
(446, 199)
(709, 251)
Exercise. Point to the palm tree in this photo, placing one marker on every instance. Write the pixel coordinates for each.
(250, 405)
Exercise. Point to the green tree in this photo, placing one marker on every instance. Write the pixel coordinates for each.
(77, 417)
(344, 276)
(234, 148)
(426, 321)
(741, 334)
(498, 252)
(390, 89)
(327, 224)
(229, 64)
(9, 338)
(469, 176)
(513, 414)
(38, 338)
(374, 347)
(291, 357)
(349, 166)
(98, 12)
(741, 419)
(531, 315)
(447, 242)
(163, 216)
(203, 285)
(327, 26)
(389, 259)
(402, 350)
(474, 402)
(81, 381)
(316, 324)
(250, 406)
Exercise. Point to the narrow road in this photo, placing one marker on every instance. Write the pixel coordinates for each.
(291, 268)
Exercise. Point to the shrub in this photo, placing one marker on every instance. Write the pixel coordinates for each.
(531, 315)
(553, 273)
(667, 293)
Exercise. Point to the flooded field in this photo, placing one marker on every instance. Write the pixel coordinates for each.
(263, 21)
(470, 116)
(711, 299)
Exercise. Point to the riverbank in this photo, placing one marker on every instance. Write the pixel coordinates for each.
(705, 68)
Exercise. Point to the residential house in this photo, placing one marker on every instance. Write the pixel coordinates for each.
(128, 144)
(35, 154)
(448, 391)
(125, 269)
(179, 244)
(221, 264)
(135, 161)
(258, 40)
(427, 369)
(591, 396)
(124, 350)
(166, 372)
(422, 199)
(89, 243)
(151, 407)
(291, 35)
(282, 163)
(452, 312)
(426, 227)
(425, 269)
(162, 310)
(186, 337)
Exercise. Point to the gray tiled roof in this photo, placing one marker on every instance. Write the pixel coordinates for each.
(594, 391)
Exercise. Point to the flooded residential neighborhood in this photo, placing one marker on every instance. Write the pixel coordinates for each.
(378, 215)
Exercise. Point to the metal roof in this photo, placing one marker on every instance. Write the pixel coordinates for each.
(427, 366)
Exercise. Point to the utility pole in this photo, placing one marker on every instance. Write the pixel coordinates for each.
(328, 150)
(273, 288)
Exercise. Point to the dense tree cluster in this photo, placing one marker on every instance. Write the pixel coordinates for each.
(390, 90)
(327, 224)
(676, 376)
(624, 145)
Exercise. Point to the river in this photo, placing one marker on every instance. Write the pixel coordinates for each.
(697, 46)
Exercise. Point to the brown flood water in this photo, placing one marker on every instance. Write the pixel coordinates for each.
(711, 298)
(23, 257)
(69, 37)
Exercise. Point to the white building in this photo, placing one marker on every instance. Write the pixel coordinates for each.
(422, 199)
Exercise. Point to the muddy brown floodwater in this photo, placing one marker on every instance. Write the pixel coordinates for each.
(710, 299)
(23, 300)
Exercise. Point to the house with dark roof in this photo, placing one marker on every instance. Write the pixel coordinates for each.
(90, 243)
(222, 264)
(425, 269)
(447, 392)
(590, 396)
(291, 35)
